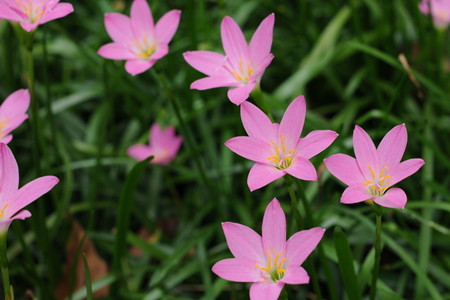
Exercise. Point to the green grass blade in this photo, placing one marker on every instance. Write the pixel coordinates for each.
(88, 278)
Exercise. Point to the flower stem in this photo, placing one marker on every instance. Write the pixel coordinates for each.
(4, 266)
(258, 96)
(294, 202)
(376, 267)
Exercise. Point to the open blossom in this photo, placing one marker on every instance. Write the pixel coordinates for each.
(440, 11)
(375, 170)
(163, 145)
(241, 67)
(32, 13)
(137, 39)
(267, 261)
(13, 113)
(13, 199)
(278, 149)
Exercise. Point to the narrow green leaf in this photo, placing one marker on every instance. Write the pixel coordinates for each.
(88, 278)
(123, 217)
(345, 259)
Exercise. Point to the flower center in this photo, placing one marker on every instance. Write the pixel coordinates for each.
(3, 124)
(2, 212)
(377, 185)
(243, 72)
(283, 157)
(32, 13)
(144, 48)
(274, 268)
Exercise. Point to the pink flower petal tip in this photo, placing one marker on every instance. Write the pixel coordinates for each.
(13, 113)
(268, 261)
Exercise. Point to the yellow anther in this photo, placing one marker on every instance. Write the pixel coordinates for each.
(371, 171)
(3, 209)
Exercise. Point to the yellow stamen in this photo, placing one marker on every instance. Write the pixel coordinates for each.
(3, 209)
(371, 171)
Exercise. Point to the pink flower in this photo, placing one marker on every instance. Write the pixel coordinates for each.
(136, 39)
(268, 262)
(440, 10)
(242, 66)
(12, 199)
(32, 13)
(278, 149)
(163, 145)
(13, 113)
(375, 170)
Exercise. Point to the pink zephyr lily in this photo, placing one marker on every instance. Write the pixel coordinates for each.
(13, 199)
(375, 170)
(32, 13)
(136, 39)
(278, 149)
(13, 113)
(440, 11)
(269, 261)
(163, 145)
(241, 67)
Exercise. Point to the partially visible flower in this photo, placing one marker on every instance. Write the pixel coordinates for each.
(13, 113)
(163, 145)
(241, 67)
(32, 13)
(375, 170)
(268, 262)
(278, 149)
(137, 39)
(13, 199)
(440, 11)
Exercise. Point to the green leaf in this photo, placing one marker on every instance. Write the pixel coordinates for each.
(345, 259)
(88, 278)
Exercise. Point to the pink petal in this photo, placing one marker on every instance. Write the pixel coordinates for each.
(6, 139)
(257, 124)
(212, 82)
(207, 62)
(14, 123)
(118, 27)
(274, 227)
(160, 52)
(261, 42)
(315, 142)
(292, 123)
(261, 67)
(28, 26)
(7, 13)
(59, 11)
(345, 168)
(405, 169)
(301, 244)
(262, 174)
(265, 290)
(142, 20)
(392, 146)
(22, 215)
(156, 134)
(15, 104)
(354, 194)
(302, 169)
(365, 152)
(140, 152)
(30, 192)
(250, 148)
(233, 41)
(241, 93)
(167, 26)
(9, 173)
(295, 275)
(243, 242)
(115, 51)
(135, 67)
(237, 269)
(394, 198)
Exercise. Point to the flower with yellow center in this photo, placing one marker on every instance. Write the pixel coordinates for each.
(278, 149)
(267, 261)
